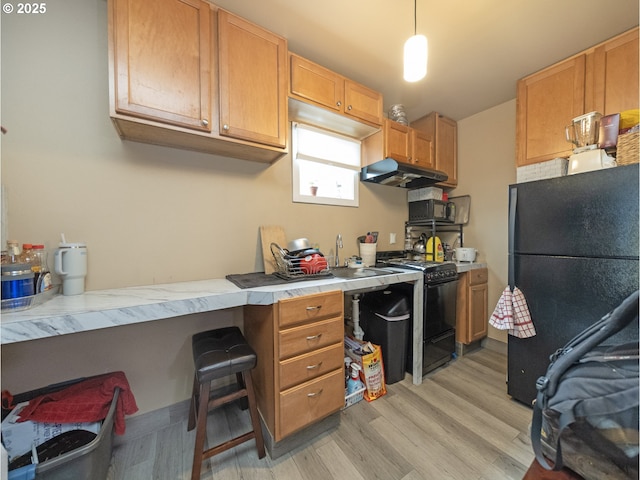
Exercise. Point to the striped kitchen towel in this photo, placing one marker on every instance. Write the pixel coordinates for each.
(512, 313)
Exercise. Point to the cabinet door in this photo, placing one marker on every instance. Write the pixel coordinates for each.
(478, 308)
(253, 83)
(317, 84)
(162, 61)
(447, 148)
(545, 103)
(612, 75)
(422, 149)
(362, 102)
(397, 141)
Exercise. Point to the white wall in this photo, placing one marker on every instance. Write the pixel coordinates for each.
(154, 215)
(486, 160)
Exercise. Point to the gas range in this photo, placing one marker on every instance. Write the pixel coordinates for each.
(434, 272)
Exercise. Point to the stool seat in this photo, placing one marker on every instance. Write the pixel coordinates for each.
(221, 352)
(216, 354)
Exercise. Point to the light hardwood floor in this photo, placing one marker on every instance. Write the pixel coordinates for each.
(459, 424)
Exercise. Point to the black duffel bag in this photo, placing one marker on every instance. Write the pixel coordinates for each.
(589, 398)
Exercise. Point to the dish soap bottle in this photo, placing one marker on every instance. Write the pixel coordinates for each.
(354, 383)
(434, 250)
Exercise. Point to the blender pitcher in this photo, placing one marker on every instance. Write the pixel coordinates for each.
(584, 130)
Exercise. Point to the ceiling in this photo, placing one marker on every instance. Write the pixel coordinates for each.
(478, 49)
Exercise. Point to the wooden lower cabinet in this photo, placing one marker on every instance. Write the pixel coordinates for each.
(472, 307)
(299, 376)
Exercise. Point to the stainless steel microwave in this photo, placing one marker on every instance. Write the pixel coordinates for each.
(437, 210)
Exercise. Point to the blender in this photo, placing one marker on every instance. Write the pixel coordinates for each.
(583, 134)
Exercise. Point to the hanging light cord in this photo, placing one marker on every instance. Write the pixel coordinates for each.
(415, 17)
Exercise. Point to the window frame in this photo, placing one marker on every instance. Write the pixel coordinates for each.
(297, 158)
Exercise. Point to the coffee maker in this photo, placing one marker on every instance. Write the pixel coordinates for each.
(583, 133)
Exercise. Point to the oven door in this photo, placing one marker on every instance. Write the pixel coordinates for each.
(440, 308)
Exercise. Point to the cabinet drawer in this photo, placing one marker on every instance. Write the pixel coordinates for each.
(310, 365)
(305, 338)
(478, 276)
(311, 401)
(310, 308)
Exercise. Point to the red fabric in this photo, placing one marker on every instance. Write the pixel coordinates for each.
(86, 401)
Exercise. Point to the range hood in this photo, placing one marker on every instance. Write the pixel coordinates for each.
(396, 174)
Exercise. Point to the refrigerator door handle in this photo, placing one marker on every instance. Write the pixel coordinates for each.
(513, 202)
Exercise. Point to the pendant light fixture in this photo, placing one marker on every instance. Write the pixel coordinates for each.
(415, 53)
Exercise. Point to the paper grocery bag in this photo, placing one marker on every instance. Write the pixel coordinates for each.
(372, 367)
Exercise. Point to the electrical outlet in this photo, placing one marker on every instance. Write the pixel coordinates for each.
(392, 238)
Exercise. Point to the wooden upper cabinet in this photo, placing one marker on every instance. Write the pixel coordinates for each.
(422, 149)
(603, 78)
(362, 102)
(163, 61)
(443, 133)
(400, 142)
(312, 83)
(188, 74)
(397, 142)
(253, 84)
(546, 103)
(612, 75)
(316, 84)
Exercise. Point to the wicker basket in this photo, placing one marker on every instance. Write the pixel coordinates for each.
(627, 151)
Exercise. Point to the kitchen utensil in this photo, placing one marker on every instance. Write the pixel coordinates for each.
(269, 235)
(421, 245)
(464, 254)
(298, 244)
(368, 254)
(70, 262)
(583, 131)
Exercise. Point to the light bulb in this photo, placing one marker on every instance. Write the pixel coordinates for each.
(415, 58)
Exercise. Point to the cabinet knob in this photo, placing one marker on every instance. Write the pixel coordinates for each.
(314, 337)
(338, 103)
(225, 127)
(205, 122)
(349, 107)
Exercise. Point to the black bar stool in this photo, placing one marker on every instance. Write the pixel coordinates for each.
(217, 354)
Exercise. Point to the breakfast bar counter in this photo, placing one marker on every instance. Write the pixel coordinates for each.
(100, 309)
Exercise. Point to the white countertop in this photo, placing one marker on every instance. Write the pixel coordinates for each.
(466, 266)
(123, 306)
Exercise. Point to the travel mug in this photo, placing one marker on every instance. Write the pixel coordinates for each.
(70, 262)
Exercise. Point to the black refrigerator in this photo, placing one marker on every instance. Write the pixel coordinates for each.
(573, 252)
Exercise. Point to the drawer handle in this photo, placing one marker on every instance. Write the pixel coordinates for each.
(314, 308)
(314, 337)
(315, 394)
(313, 367)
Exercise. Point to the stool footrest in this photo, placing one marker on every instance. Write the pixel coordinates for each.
(227, 445)
(216, 402)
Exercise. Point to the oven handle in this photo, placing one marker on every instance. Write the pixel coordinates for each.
(436, 285)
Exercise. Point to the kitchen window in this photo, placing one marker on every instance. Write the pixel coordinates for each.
(326, 167)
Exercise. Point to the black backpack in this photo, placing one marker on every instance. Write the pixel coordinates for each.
(588, 399)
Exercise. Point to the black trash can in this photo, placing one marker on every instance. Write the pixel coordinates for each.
(385, 318)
